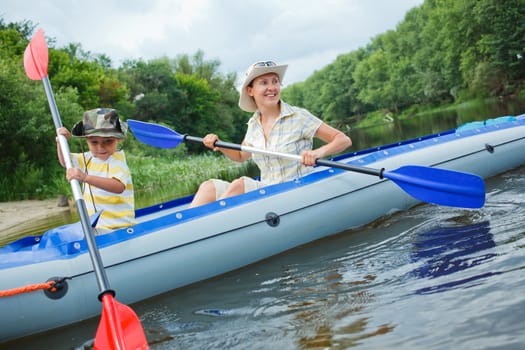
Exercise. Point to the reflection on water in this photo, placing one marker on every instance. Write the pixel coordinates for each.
(447, 250)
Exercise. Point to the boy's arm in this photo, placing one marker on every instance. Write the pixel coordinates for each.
(65, 132)
(107, 184)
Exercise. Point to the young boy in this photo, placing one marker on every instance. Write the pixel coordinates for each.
(103, 172)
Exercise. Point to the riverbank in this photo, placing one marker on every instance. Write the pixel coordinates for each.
(16, 216)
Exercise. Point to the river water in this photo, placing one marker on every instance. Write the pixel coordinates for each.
(431, 277)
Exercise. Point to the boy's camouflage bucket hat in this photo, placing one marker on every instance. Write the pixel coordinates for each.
(103, 122)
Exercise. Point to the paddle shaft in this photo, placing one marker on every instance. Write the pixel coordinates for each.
(119, 328)
(77, 194)
(322, 162)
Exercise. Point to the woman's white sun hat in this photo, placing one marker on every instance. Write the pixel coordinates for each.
(246, 102)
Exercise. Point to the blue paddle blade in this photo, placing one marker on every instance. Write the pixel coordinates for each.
(154, 134)
(440, 186)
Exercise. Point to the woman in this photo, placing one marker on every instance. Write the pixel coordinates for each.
(274, 126)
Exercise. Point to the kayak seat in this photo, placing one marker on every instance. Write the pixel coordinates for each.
(62, 235)
(474, 125)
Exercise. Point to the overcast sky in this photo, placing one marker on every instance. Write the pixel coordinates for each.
(306, 35)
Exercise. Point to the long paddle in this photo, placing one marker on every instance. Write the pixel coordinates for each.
(120, 327)
(427, 184)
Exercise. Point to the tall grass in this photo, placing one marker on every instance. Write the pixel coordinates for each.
(159, 179)
(30, 182)
(155, 178)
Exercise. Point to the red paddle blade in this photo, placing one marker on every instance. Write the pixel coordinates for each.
(36, 57)
(119, 327)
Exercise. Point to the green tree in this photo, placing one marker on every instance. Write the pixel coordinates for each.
(227, 119)
(153, 89)
(66, 70)
(501, 44)
(369, 76)
(199, 107)
(14, 38)
(27, 132)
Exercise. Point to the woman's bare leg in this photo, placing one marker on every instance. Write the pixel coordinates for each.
(205, 194)
(235, 188)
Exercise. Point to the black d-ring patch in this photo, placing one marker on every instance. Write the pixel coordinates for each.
(273, 219)
(58, 290)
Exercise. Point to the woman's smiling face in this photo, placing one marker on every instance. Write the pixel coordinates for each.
(265, 89)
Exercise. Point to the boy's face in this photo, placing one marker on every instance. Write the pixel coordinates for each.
(102, 147)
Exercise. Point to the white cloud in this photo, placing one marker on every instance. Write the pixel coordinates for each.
(236, 32)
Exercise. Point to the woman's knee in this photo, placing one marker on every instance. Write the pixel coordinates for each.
(205, 194)
(207, 186)
(237, 186)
